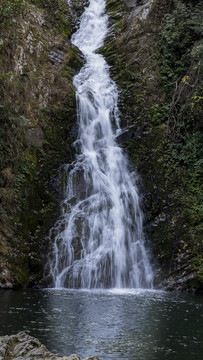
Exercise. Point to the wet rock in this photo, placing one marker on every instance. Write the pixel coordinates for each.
(142, 9)
(74, 131)
(4, 283)
(127, 135)
(25, 347)
(77, 8)
(55, 57)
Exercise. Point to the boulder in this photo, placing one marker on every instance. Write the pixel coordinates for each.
(25, 347)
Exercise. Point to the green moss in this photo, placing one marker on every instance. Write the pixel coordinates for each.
(74, 63)
(114, 9)
(34, 144)
(28, 200)
(22, 276)
(157, 76)
(57, 14)
(75, 59)
(10, 8)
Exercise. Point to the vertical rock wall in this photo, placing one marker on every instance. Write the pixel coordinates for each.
(154, 52)
(37, 113)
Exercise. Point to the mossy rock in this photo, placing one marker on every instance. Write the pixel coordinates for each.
(163, 142)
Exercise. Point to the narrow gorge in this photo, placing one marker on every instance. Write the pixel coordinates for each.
(101, 179)
(154, 61)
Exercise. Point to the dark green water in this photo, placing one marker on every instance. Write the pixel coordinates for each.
(121, 325)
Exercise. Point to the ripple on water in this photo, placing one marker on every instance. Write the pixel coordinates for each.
(113, 324)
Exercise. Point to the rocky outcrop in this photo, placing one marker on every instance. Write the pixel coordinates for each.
(25, 347)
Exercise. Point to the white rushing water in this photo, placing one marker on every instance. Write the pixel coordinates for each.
(99, 240)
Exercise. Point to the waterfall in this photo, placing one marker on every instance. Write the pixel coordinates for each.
(99, 239)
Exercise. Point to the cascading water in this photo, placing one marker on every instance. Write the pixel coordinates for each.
(99, 241)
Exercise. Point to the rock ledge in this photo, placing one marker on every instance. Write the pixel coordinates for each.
(25, 347)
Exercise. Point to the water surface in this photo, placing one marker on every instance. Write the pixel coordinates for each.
(112, 324)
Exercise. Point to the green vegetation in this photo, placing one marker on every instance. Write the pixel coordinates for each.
(57, 14)
(37, 112)
(181, 49)
(9, 8)
(157, 64)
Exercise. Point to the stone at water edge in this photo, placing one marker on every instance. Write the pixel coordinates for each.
(25, 347)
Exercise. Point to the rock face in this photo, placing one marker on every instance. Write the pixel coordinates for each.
(37, 113)
(146, 43)
(154, 49)
(24, 347)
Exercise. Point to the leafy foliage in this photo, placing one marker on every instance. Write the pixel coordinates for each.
(181, 39)
(181, 69)
(181, 45)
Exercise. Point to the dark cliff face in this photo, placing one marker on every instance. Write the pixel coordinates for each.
(155, 52)
(154, 49)
(37, 114)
